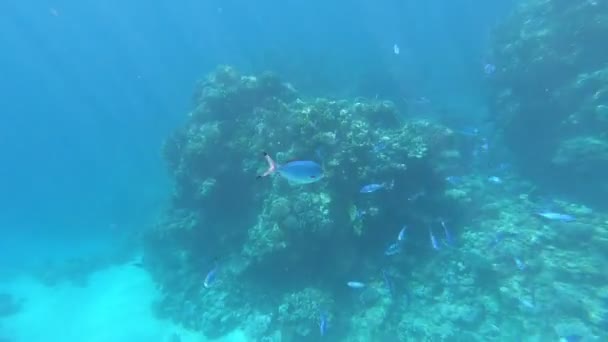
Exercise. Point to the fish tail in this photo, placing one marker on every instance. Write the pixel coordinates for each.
(272, 166)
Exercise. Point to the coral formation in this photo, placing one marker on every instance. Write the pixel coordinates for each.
(299, 239)
(284, 254)
(550, 91)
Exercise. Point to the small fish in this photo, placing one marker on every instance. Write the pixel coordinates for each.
(573, 338)
(485, 146)
(396, 49)
(323, 323)
(319, 152)
(388, 283)
(416, 196)
(520, 264)
(453, 179)
(448, 236)
(526, 304)
(355, 284)
(401, 235)
(433, 240)
(378, 147)
(495, 180)
(360, 213)
(369, 188)
(556, 216)
(489, 68)
(502, 167)
(296, 172)
(470, 132)
(210, 278)
(496, 240)
(393, 249)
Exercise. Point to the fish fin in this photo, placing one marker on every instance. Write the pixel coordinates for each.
(272, 166)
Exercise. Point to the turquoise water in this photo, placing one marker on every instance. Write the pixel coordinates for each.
(462, 145)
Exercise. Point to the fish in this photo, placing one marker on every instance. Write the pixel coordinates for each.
(320, 153)
(573, 338)
(210, 278)
(378, 147)
(489, 68)
(417, 195)
(520, 264)
(469, 132)
(393, 249)
(369, 188)
(495, 180)
(485, 146)
(401, 235)
(448, 236)
(323, 323)
(355, 284)
(433, 240)
(396, 49)
(388, 283)
(556, 216)
(296, 172)
(360, 213)
(453, 179)
(525, 304)
(496, 240)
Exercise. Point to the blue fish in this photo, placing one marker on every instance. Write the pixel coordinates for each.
(470, 132)
(496, 240)
(453, 179)
(393, 249)
(388, 283)
(495, 180)
(401, 235)
(319, 152)
(433, 240)
(520, 264)
(369, 188)
(210, 278)
(573, 338)
(489, 68)
(448, 236)
(323, 323)
(556, 216)
(485, 146)
(360, 213)
(355, 284)
(296, 172)
(416, 196)
(378, 147)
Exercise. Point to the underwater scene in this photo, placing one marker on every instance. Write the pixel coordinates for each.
(277, 171)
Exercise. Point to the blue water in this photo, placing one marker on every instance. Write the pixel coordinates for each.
(91, 89)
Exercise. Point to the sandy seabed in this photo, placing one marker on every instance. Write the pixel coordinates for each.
(115, 306)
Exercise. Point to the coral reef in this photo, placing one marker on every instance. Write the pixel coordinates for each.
(477, 262)
(296, 242)
(550, 91)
